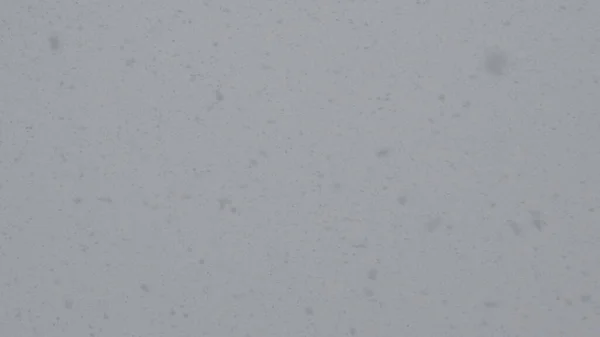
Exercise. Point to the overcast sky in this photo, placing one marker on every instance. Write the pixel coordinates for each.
(300, 168)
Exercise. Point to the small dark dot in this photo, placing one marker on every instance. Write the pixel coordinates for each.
(54, 42)
(224, 202)
(383, 153)
(372, 274)
(496, 63)
(402, 200)
(105, 199)
(309, 311)
(433, 224)
(490, 304)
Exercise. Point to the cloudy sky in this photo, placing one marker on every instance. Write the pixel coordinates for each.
(300, 168)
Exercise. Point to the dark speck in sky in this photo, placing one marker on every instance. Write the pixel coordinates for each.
(54, 42)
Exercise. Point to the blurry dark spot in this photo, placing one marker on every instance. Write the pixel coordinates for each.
(586, 298)
(442, 97)
(77, 200)
(383, 153)
(309, 311)
(105, 316)
(193, 77)
(172, 312)
(538, 224)
(433, 224)
(515, 227)
(402, 200)
(215, 44)
(372, 274)
(224, 202)
(368, 292)
(130, 62)
(69, 303)
(490, 304)
(496, 62)
(379, 98)
(466, 104)
(592, 209)
(144, 287)
(537, 220)
(54, 42)
(105, 199)
(219, 95)
(186, 315)
(201, 261)
(352, 331)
